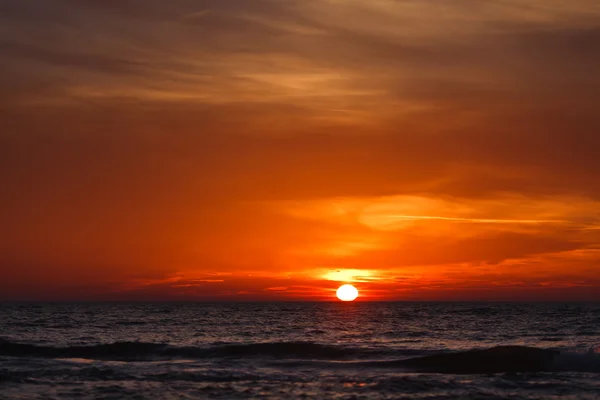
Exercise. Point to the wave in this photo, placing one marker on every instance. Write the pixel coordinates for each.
(501, 359)
(140, 351)
(285, 350)
(119, 351)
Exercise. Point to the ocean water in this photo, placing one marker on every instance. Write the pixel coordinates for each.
(300, 350)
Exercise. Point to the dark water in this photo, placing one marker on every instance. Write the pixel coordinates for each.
(300, 350)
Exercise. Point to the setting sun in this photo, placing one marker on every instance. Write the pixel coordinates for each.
(347, 293)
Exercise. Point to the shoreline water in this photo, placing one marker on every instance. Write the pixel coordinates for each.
(314, 350)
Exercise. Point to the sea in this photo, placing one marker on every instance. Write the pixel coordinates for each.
(357, 350)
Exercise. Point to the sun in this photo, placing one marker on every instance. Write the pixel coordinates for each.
(347, 293)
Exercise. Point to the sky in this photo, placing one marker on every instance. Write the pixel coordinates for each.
(245, 150)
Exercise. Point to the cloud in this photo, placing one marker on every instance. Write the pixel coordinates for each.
(94, 62)
(144, 136)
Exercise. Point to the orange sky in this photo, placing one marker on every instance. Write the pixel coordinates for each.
(272, 150)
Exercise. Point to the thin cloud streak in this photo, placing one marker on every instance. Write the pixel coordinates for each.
(480, 221)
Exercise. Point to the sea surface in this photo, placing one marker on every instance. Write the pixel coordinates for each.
(299, 350)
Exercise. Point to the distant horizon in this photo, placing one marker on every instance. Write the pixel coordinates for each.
(294, 301)
(331, 301)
